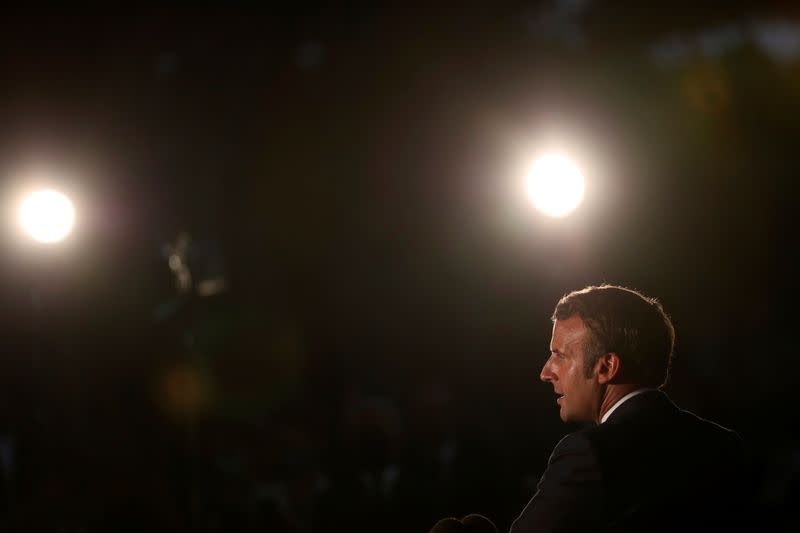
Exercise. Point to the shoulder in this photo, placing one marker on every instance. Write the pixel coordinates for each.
(573, 472)
(569, 494)
(708, 427)
(577, 442)
(574, 453)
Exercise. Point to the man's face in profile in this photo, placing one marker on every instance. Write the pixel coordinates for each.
(579, 397)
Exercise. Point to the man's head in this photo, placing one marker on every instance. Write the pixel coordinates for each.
(606, 335)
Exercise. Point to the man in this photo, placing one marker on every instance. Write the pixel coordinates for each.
(642, 464)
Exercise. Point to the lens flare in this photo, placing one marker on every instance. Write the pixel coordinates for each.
(555, 185)
(47, 216)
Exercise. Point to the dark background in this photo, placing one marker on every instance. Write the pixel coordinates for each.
(355, 177)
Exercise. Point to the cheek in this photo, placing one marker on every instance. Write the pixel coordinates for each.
(569, 372)
(573, 374)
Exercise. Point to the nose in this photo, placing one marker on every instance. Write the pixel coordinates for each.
(546, 374)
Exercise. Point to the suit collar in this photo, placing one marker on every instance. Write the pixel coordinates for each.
(649, 399)
(622, 400)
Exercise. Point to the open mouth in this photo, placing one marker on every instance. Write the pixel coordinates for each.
(559, 397)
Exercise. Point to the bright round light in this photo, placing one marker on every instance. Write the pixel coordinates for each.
(47, 216)
(555, 185)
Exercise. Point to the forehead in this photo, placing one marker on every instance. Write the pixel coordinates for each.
(568, 333)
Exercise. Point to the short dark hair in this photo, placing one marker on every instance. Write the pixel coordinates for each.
(626, 322)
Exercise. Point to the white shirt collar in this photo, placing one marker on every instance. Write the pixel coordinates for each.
(621, 401)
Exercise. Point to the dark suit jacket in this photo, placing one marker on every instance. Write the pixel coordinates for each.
(649, 467)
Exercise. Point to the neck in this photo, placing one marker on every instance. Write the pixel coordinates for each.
(612, 395)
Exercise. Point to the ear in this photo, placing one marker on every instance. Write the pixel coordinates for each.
(608, 368)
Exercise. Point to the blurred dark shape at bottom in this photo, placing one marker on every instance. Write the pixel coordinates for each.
(472, 523)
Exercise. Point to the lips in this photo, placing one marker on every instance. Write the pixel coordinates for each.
(559, 398)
